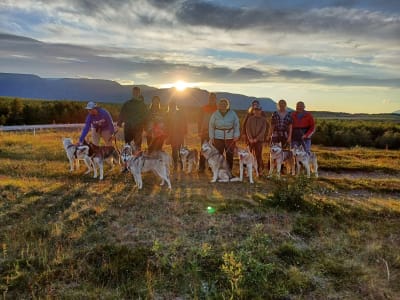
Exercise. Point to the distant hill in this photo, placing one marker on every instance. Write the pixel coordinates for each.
(35, 87)
(397, 112)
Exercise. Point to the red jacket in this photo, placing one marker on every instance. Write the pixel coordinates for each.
(305, 122)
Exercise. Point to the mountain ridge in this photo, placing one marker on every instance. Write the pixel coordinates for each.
(103, 90)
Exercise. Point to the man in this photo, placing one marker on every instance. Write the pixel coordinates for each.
(202, 125)
(100, 122)
(134, 113)
(303, 127)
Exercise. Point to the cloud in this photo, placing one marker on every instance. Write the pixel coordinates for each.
(57, 60)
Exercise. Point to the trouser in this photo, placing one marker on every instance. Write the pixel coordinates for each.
(228, 146)
(256, 149)
(133, 133)
(176, 156)
(105, 134)
(306, 143)
(156, 143)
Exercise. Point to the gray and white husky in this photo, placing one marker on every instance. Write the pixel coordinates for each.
(279, 156)
(217, 163)
(247, 158)
(139, 162)
(307, 160)
(75, 153)
(189, 158)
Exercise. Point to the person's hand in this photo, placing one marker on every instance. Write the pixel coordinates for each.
(211, 141)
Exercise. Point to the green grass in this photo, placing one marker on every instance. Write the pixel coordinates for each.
(70, 236)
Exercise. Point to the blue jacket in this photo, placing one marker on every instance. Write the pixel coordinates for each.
(101, 121)
(224, 127)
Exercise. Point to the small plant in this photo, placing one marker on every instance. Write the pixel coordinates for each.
(291, 194)
(233, 271)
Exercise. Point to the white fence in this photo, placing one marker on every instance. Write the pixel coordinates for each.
(39, 127)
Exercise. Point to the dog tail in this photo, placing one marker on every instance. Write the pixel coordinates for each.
(234, 179)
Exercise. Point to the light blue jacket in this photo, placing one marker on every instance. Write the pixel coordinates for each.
(224, 127)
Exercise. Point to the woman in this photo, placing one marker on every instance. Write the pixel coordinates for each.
(281, 125)
(177, 129)
(156, 132)
(224, 130)
(256, 127)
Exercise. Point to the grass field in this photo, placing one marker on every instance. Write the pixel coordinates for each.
(68, 236)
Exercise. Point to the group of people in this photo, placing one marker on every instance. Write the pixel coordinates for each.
(217, 123)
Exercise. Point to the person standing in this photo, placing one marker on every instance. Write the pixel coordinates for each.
(101, 124)
(156, 132)
(176, 131)
(303, 127)
(250, 112)
(224, 130)
(280, 130)
(203, 122)
(256, 127)
(133, 115)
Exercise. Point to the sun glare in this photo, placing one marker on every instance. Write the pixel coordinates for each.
(180, 85)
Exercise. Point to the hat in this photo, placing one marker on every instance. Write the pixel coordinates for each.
(255, 102)
(91, 105)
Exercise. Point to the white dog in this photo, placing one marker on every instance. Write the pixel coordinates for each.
(308, 160)
(189, 158)
(217, 163)
(101, 154)
(247, 158)
(75, 153)
(137, 163)
(279, 156)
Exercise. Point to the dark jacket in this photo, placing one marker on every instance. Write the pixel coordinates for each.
(133, 113)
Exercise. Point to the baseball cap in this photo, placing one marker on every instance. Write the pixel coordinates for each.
(91, 105)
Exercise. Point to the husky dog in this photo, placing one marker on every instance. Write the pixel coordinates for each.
(75, 153)
(247, 158)
(100, 154)
(217, 163)
(189, 158)
(279, 156)
(137, 162)
(308, 160)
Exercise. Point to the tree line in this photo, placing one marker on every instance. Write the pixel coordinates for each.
(329, 132)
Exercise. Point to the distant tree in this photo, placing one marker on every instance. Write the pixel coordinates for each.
(16, 112)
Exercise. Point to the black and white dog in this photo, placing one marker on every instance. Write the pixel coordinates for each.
(217, 163)
(307, 160)
(189, 158)
(279, 156)
(101, 154)
(75, 153)
(138, 162)
(247, 158)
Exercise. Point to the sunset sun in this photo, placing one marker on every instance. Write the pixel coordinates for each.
(180, 85)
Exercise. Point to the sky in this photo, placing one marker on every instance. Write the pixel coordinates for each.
(335, 55)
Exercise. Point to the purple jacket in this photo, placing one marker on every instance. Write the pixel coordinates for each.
(101, 121)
